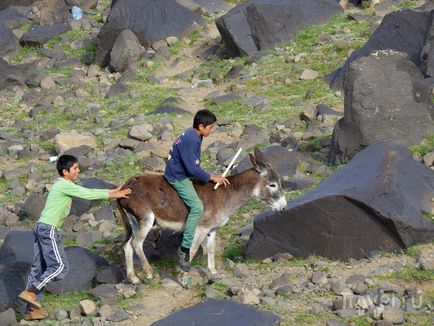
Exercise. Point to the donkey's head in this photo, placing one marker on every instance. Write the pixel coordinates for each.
(269, 187)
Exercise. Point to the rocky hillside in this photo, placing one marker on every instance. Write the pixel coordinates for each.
(116, 91)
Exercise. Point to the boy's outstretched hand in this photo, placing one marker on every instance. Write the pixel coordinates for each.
(220, 180)
(118, 193)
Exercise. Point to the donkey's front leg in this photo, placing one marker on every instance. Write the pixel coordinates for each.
(210, 246)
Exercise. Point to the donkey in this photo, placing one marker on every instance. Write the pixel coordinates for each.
(153, 200)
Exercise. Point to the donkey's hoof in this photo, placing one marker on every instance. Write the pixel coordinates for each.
(134, 280)
(150, 277)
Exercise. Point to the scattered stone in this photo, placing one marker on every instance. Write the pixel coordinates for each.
(75, 312)
(393, 315)
(141, 132)
(7, 218)
(309, 74)
(60, 314)
(426, 260)
(65, 141)
(105, 311)
(88, 307)
(319, 278)
(241, 270)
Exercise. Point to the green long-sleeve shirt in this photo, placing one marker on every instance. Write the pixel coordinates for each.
(59, 200)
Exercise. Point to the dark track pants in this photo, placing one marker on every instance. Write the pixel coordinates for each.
(49, 259)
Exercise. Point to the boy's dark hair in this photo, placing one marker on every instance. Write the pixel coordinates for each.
(65, 162)
(204, 117)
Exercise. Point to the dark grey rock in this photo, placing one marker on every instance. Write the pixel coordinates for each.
(347, 313)
(334, 322)
(83, 267)
(13, 279)
(388, 204)
(14, 17)
(80, 206)
(10, 3)
(82, 150)
(9, 44)
(169, 109)
(217, 313)
(283, 161)
(118, 316)
(152, 163)
(34, 205)
(56, 54)
(104, 213)
(17, 248)
(110, 275)
(13, 75)
(125, 53)
(103, 291)
(225, 98)
(257, 25)
(402, 113)
(403, 30)
(118, 89)
(39, 35)
(149, 20)
(235, 72)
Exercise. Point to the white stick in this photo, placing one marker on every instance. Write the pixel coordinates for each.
(229, 166)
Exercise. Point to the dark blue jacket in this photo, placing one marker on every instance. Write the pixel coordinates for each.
(184, 158)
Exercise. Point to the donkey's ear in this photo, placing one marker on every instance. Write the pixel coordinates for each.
(257, 164)
(259, 155)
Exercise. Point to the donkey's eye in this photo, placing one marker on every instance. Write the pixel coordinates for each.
(272, 185)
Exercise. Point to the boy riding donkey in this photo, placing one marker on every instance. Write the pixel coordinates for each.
(49, 259)
(182, 167)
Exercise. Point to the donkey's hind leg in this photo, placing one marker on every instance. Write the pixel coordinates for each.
(199, 237)
(128, 250)
(210, 246)
(139, 237)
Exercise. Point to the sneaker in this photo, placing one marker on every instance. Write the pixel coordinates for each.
(35, 314)
(30, 298)
(183, 260)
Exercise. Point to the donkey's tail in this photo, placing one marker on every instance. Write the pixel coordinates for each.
(127, 225)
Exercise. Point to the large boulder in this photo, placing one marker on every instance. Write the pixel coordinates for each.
(83, 268)
(149, 20)
(126, 51)
(17, 247)
(16, 256)
(258, 25)
(219, 312)
(404, 31)
(381, 200)
(14, 75)
(386, 98)
(13, 279)
(14, 17)
(15, 3)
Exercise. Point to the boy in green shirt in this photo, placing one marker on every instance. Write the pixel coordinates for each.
(49, 259)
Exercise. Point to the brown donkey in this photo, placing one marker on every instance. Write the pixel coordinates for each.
(153, 200)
